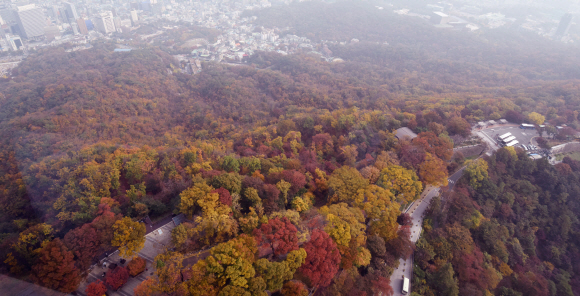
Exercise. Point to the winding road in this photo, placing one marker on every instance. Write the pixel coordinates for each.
(417, 210)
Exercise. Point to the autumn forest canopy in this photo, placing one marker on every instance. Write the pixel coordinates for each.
(287, 169)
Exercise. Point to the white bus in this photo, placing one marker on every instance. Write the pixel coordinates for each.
(527, 126)
(502, 137)
(509, 139)
(405, 286)
(512, 143)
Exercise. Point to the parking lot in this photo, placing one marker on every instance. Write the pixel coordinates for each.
(523, 136)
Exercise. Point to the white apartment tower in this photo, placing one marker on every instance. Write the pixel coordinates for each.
(105, 23)
(134, 17)
(71, 11)
(31, 21)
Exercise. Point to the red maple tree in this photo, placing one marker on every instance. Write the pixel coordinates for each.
(103, 223)
(402, 246)
(322, 259)
(225, 197)
(83, 242)
(96, 289)
(117, 278)
(271, 196)
(279, 234)
(381, 286)
(296, 179)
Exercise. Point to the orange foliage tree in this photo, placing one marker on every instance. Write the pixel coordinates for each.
(433, 170)
(136, 266)
(96, 288)
(55, 268)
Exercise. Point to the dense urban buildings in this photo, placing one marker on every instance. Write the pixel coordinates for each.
(86, 21)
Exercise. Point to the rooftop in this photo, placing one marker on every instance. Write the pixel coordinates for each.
(405, 133)
(441, 14)
(26, 7)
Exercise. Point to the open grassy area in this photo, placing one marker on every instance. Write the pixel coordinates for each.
(573, 155)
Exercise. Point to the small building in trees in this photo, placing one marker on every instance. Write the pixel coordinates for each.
(405, 133)
(178, 219)
(439, 18)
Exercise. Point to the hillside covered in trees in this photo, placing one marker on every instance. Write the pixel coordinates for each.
(513, 229)
(288, 171)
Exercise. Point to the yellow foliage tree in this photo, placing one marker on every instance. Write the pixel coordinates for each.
(380, 207)
(374, 200)
(403, 183)
(210, 205)
(216, 227)
(536, 118)
(512, 151)
(338, 229)
(477, 172)
(179, 235)
(189, 198)
(129, 236)
(350, 152)
(363, 257)
(232, 261)
(249, 222)
(344, 184)
(302, 203)
(284, 186)
(345, 224)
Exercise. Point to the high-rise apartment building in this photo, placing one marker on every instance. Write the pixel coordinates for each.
(564, 25)
(71, 11)
(62, 14)
(82, 26)
(134, 18)
(117, 21)
(75, 28)
(105, 23)
(7, 14)
(31, 21)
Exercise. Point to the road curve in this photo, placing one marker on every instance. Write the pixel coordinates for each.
(416, 212)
